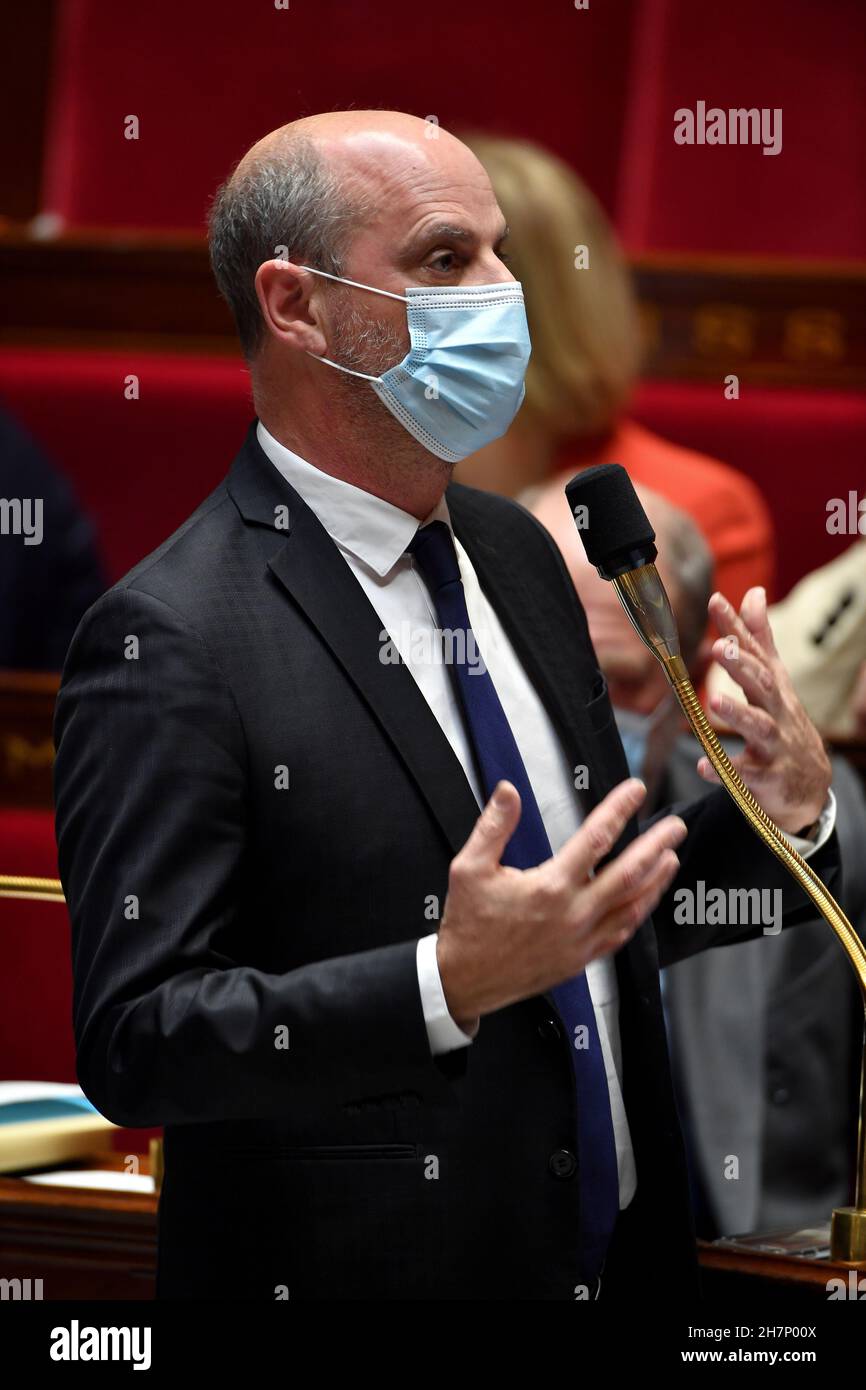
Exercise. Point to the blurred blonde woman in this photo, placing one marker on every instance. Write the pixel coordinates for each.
(584, 366)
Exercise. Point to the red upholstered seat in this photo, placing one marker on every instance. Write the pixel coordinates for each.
(36, 1042)
(808, 60)
(801, 448)
(138, 466)
(205, 82)
(599, 86)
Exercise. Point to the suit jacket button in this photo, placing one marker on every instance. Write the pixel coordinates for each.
(562, 1164)
(549, 1029)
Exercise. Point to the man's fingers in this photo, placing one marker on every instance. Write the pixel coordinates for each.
(757, 619)
(493, 829)
(621, 923)
(755, 774)
(753, 675)
(757, 727)
(626, 876)
(708, 772)
(601, 830)
(729, 623)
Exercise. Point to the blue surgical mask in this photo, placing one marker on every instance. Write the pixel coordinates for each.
(460, 385)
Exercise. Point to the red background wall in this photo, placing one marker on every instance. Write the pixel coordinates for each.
(598, 86)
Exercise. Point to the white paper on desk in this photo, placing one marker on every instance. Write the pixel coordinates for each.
(14, 1092)
(107, 1179)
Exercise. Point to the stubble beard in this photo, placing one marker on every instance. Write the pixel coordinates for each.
(364, 343)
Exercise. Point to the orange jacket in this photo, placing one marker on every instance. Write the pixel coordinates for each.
(727, 506)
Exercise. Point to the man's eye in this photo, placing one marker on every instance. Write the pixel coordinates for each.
(444, 261)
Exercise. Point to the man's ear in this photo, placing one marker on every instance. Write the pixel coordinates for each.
(286, 297)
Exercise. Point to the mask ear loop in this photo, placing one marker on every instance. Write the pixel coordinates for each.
(356, 283)
(365, 376)
(348, 370)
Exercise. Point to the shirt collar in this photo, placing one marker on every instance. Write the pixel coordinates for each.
(367, 527)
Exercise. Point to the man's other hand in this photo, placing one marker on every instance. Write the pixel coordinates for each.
(508, 934)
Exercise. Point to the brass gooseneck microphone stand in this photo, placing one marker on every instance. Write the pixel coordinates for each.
(646, 603)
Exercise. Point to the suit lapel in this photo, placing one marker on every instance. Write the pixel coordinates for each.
(307, 564)
(544, 640)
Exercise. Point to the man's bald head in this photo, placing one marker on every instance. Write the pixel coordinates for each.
(359, 143)
(303, 191)
(283, 199)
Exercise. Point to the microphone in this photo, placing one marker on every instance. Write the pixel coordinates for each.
(615, 529)
(620, 542)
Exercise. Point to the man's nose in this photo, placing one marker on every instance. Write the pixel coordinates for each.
(489, 270)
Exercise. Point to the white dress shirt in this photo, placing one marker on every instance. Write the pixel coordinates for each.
(372, 535)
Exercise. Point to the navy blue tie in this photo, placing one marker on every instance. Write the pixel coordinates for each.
(498, 757)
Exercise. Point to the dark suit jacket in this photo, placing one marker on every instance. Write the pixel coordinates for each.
(213, 910)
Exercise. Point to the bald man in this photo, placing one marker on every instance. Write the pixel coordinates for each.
(360, 910)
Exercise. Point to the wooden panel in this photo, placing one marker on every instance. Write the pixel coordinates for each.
(745, 1276)
(769, 323)
(102, 1245)
(26, 744)
(792, 324)
(115, 289)
(80, 1243)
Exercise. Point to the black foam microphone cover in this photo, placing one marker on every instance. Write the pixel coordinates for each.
(610, 520)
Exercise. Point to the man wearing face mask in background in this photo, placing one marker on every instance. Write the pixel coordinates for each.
(354, 930)
(765, 1036)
